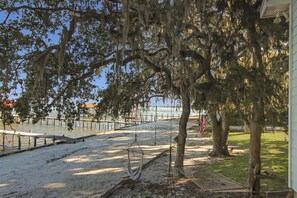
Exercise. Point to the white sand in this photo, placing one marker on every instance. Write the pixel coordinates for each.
(85, 169)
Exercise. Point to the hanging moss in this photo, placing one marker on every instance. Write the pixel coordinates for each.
(125, 13)
(40, 63)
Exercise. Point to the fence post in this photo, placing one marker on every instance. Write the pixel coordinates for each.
(45, 139)
(54, 139)
(12, 139)
(29, 139)
(3, 141)
(35, 141)
(19, 140)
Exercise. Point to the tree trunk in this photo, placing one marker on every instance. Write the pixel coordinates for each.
(256, 124)
(256, 128)
(225, 132)
(220, 131)
(182, 134)
(216, 134)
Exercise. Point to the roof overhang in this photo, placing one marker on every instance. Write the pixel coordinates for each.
(270, 8)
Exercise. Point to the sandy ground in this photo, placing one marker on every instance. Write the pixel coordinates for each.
(93, 167)
(83, 169)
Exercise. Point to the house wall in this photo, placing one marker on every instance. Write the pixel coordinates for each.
(293, 98)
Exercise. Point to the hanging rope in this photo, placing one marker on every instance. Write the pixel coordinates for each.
(170, 178)
(156, 115)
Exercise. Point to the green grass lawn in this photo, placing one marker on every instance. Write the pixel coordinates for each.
(274, 153)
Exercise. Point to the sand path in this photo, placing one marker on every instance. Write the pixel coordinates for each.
(83, 169)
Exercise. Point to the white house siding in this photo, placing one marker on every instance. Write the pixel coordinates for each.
(293, 99)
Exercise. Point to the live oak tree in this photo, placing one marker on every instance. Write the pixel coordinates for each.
(167, 48)
(214, 91)
(94, 34)
(59, 56)
(163, 36)
(248, 73)
(258, 91)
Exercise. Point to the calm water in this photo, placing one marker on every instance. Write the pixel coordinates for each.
(80, 128)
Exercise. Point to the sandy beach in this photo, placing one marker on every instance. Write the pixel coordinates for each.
(83, 169)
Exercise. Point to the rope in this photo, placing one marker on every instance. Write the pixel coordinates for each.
(156, 122)
(170, 179)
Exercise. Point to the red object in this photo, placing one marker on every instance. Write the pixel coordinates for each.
(7, 103)
(202, 124)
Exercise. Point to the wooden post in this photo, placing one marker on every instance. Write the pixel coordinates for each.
(91, 124)
(29, 139)
(19, 140)
(45, 140)
(35, 141)
(12, 140)
(3, 141)
(54, 139)
(83, 123)
(46, 121)
(99, 125)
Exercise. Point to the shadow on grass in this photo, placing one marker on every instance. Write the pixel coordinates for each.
(274, 155)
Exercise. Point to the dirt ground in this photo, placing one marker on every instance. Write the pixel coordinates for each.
(156, 182)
